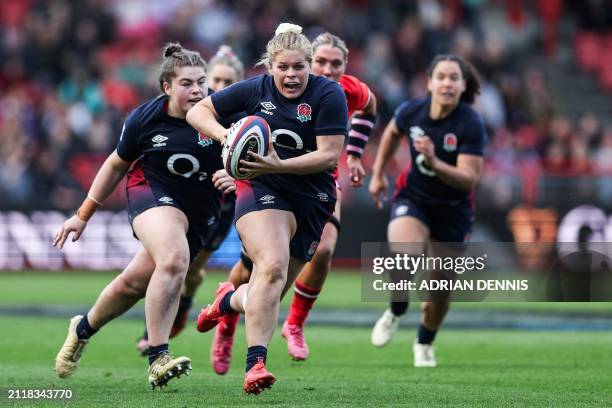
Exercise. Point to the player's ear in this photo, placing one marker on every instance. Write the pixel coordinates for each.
(429, 85)
(167, 88)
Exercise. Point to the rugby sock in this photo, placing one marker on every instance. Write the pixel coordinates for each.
(303, 299)
(426, 336)
(84, 330)
(185, 303)
(156, 351)
(399, 308)
(253, 354)
(225, 306)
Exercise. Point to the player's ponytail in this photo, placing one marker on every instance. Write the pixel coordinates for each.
(175, 56)
(287, 37)
(470, 75)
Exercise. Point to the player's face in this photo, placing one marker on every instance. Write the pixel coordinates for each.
(446, 83)
(187, 88)
(328, 61)
(221, 76)
(290, 71)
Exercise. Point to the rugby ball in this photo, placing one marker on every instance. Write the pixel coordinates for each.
(249, 134)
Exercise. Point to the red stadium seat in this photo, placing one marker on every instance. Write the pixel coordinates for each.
(588, 47)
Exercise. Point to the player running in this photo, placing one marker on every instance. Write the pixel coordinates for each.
(224, 69)
(173, 207)
(308, 118)
(330, 56)
(432, 197)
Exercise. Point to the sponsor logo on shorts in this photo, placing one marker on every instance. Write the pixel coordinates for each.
(313, 248)
(323, 197)
(416, 132)
(158, 140)
(211, 221)
(304, 112)
(267, 199)
(450, 142)
(401, 210)
(267, 107)
(166, 199)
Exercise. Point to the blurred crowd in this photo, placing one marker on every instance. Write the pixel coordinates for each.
(71, 70)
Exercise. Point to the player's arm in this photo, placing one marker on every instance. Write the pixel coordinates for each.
(463, 176)
(362, 124)
(389, 142)
(324, 158)
(204, 118)
(107, 178)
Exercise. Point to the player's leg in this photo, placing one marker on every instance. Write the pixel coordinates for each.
(408, 225)
(271, 261)
(117, 297)
(194, 278)
(223, 341)
(451, 229)
(308, 285)
(162, 231)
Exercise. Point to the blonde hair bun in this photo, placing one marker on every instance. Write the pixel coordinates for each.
(288, 28)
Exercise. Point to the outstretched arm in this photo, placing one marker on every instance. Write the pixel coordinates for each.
(389, 142)
(107, 178)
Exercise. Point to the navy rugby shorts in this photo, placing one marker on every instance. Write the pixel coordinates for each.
(146, 195)
(311, 213)
(446, 222)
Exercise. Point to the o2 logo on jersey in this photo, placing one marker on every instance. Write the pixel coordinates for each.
(287, 138)
(450, 142)
(195, 166)
(304, 112)
(422, 166)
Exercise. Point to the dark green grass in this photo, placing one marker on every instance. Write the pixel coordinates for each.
(476, 368)
(342, 290)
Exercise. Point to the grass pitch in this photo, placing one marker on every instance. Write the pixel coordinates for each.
(476, 367)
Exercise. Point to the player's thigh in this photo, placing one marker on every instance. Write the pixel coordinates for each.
(137, 273)
(162, 231)
(337, 208)
(329, 238)
(266, 234)
(200, 260)
(295, 266)
(407, 229)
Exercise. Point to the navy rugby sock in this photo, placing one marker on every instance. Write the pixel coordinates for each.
(426, 336)
(84, 330)
(253, 354)
(399, 308)
(185, 303)
(156, 351)
(225, 305)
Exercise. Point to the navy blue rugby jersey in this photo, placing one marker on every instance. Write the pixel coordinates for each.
(461, 132)
(295, 123)
(170, 153)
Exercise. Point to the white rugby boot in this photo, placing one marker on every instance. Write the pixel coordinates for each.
(385, 328)
(424, 355)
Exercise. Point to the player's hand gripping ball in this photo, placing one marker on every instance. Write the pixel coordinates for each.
(249, 134)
